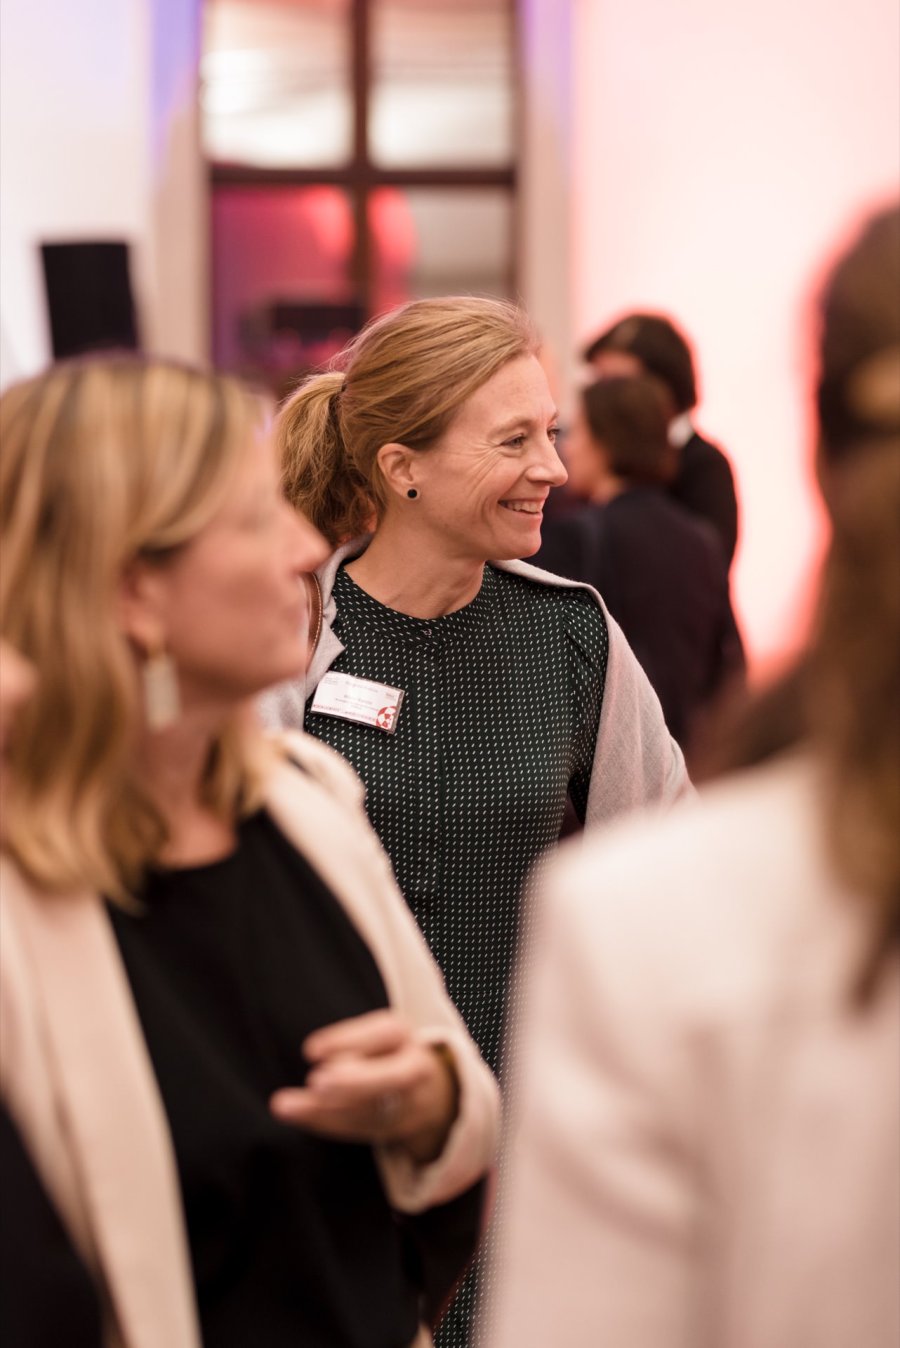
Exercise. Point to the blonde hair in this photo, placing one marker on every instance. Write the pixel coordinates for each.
(401, 381)
(102, 460)
(842, 694)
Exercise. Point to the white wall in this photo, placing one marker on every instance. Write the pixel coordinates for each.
(546, 188)
(177, 237)
(73, 163)
(95, 143)
(719, 150)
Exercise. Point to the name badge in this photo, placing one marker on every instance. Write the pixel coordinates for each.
(361, 700)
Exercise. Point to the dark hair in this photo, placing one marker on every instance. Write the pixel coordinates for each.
(841, 695)
(628, 418)
(659, 346)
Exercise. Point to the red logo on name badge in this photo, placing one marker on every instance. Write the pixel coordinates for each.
(385, 718)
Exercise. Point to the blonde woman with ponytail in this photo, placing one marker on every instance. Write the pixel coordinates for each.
(474, 694)
(226, 1049)
(708, 1132)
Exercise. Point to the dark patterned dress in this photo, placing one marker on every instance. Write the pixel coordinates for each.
(497, 726)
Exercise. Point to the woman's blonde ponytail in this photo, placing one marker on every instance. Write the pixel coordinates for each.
(318, 475)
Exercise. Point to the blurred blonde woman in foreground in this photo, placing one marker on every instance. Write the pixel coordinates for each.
(707, 1150)
(225, 1045)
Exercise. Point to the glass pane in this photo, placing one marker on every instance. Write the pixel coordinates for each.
(283, 298)
(442, 83)
(276, 85)
(439, 241)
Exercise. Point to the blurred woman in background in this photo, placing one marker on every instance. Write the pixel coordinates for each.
(659, 568)
(707, 1146)
(651, 344)
(225, 1045)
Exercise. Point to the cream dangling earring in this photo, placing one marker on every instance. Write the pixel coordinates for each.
(162, 700)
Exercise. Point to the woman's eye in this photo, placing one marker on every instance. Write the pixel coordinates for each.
(516, 442)
(553, 433)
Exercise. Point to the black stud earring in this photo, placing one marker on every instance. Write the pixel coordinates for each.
(412, 493)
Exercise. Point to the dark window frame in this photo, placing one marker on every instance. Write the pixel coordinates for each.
(360, 176)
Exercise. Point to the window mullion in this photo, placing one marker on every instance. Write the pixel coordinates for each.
(359, 174)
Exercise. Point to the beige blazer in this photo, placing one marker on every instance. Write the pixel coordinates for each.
(707, 1145)
(76, 1077)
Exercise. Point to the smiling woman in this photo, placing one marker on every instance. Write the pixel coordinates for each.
(472, 693)
(482, 486)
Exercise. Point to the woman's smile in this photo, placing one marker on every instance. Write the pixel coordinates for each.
(525, 507)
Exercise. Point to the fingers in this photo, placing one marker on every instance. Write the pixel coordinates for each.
(349, 1097)
(343, 1079)
(354, 1084)
(369, 1035)
(364, 1120)
(372, 1080)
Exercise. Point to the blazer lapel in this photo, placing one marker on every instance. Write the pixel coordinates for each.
(113, 1119)
(333, 843)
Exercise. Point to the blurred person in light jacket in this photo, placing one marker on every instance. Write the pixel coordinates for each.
(706, 1143)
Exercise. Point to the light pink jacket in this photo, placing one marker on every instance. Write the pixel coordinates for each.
(76, 1077)
(707, 1152)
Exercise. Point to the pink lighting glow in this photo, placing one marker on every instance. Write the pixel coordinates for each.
(719, 152)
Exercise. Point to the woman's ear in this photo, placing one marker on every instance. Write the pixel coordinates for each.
(139, 605)
(398, 468)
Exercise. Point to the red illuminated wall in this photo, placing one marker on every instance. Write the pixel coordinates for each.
(720, 150)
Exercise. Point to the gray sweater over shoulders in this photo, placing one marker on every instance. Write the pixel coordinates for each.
(636, 761)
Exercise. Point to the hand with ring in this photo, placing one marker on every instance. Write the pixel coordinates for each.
(387, 1107)
(371, 1079)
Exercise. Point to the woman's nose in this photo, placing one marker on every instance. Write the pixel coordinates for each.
(309, 547)
(550, 467)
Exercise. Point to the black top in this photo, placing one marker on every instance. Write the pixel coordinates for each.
(498, 723)
(46, 1294)
(662, 573)
(704, 485)
(231, 965)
